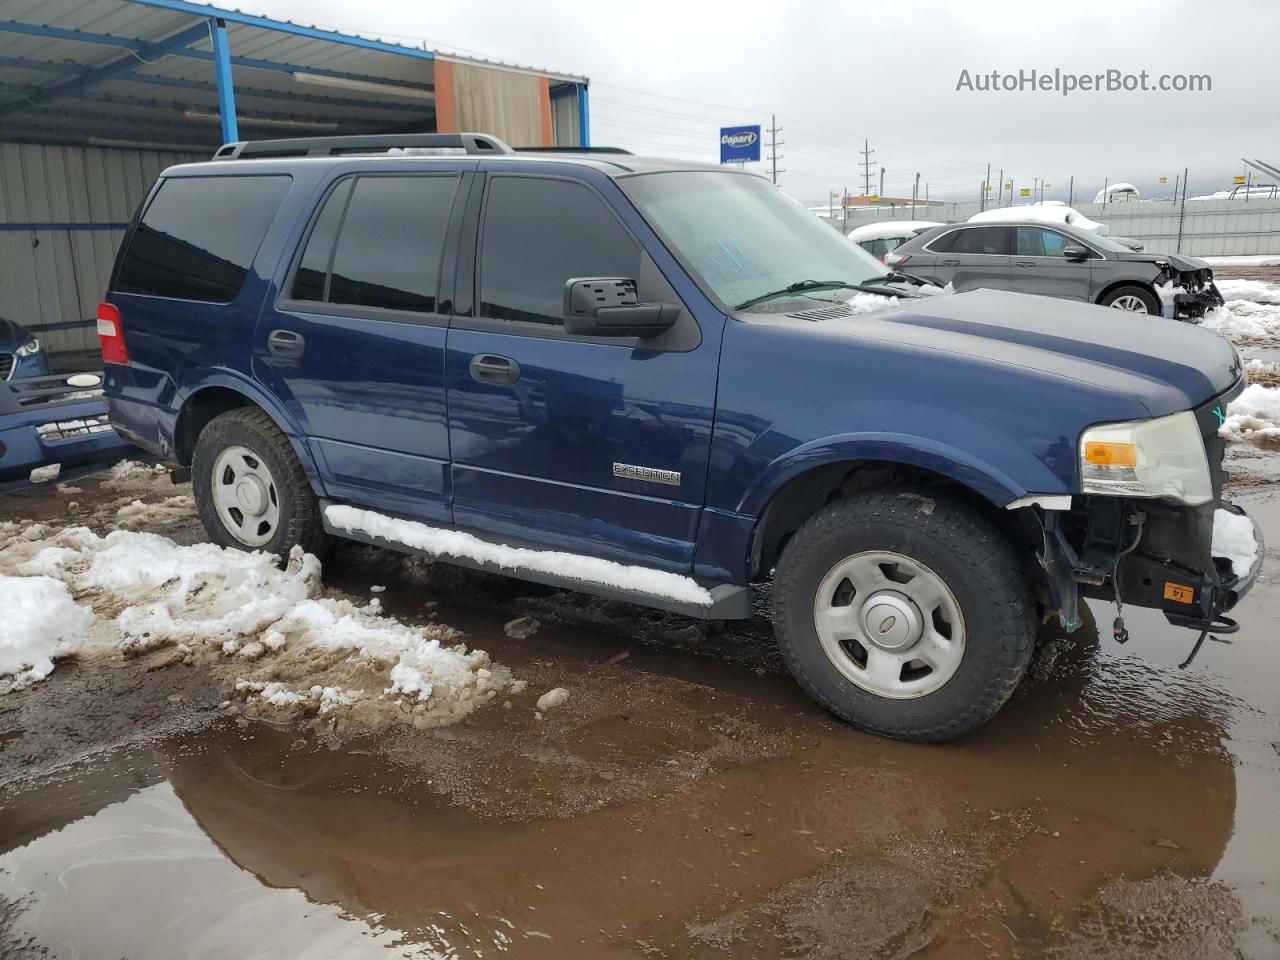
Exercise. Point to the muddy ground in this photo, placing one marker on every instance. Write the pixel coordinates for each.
(687, 801)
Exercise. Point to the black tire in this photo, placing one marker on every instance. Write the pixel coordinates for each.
(967, 553)
(1148, 298)
(299, 523)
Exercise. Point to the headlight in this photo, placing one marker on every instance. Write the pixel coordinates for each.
(30, 348)
(1147, 458)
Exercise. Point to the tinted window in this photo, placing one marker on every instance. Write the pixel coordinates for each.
(199, 235)
(537, 235)
(313, 269)
(1038, 242)
(390, 241)
(988, 240)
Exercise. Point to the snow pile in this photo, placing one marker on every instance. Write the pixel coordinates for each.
(289, 651)
(1257, 291)
(129, 473)
(169, 511)
(1263, 371)
(1254, 415)
(1041, 213)
(41, 622)
(1233, 538)
(1252, 260)
(1251, 313)
(451, 543)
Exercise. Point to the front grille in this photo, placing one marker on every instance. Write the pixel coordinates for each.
(6, 365)
(68, 429)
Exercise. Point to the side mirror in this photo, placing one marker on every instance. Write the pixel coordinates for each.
(608, 307)
(1075, 252)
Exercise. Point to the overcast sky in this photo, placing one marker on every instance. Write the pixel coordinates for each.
(666, 74)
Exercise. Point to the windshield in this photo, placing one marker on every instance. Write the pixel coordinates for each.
(743, 238)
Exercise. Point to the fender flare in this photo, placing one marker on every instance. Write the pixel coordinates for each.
(978, 475)
(251, 391)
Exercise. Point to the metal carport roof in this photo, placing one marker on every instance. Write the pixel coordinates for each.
(176, 74)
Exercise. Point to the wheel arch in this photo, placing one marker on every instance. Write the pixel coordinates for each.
(216, 397)
(808, 486)
(1132, 282)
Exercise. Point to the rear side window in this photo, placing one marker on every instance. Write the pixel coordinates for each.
(539, 233)
(199, 236)
(987, 240)
(378, 243)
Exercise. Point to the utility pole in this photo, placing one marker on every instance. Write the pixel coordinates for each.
(986, 185)
(866, 167)
(1000, 195)
(1071, 191)
(774, 143)
(844, 206)
(881, 193)
(915, 193)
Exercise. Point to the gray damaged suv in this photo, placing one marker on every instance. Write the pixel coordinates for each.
(1059, 261)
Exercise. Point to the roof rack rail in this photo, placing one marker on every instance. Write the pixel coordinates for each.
(471, 143)
(573, 150)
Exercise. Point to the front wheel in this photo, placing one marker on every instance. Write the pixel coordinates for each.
(908, 615)
(1132, 300)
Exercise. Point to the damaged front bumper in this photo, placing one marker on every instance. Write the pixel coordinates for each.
(1189, 295)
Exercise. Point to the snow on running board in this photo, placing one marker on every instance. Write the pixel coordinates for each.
(453, 543)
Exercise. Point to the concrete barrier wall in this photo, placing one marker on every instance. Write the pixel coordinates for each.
(1201, 228)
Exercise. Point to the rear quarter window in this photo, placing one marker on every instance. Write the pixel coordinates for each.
(198, 237)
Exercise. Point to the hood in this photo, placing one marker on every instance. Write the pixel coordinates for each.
(1175, 260)
(1163, 364)
(12, 336)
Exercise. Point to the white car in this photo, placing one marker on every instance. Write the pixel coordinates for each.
(885, 236)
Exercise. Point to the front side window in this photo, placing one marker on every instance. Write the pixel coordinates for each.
(743, 238)
(539, 233)
(377, 243)
(1039, 242)
(198, 237)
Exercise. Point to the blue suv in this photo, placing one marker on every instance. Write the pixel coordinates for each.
(665, 382)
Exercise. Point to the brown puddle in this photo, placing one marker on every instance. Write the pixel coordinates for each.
(686, 806)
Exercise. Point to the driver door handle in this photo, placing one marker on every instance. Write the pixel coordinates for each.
(1024, 263)
(492, 368)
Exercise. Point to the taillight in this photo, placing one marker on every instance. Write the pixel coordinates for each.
(111, 335)
(896, 259)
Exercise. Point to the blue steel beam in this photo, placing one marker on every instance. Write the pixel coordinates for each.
(226, 88)
(115, 68)
(59, 33)
(285, 26)
(584, 116)
(204, 86)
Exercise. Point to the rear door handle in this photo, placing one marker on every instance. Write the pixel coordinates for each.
(951, 263)
(1024, 263)
(491, 368)
(286, 343)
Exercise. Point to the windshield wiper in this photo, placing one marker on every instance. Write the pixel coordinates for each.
(893, 276)
(798, 287)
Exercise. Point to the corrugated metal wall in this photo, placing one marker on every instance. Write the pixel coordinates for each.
(62, 216)
(1207, 228)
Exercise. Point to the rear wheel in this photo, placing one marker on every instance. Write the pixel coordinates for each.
(250, 489)
(907, 615)
(1132, 300)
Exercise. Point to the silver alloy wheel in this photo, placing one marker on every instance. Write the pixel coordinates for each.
(245, 496)
(889, 624)
(1130, 303)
